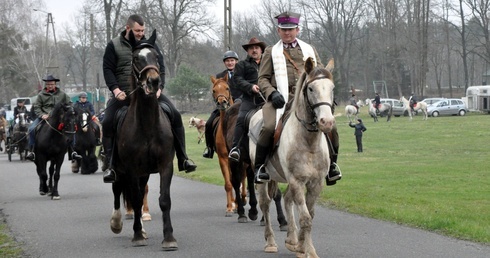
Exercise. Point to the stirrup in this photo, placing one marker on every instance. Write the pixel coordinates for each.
(265, 176)
(234, 154)
(109, 176)
(337, 174)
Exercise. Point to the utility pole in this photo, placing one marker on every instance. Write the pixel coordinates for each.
(227, 25)
(49, 21)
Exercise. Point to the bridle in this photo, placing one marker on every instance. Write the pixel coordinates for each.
(138, 73)
(216, 100)
(312, 126)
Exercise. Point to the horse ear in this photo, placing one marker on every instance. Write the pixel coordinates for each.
(330, 65)
(309, 65)
(213, 79)
(153, 37)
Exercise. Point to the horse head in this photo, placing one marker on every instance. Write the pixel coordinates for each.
(146, 70)
(221, 93)
(314, 102)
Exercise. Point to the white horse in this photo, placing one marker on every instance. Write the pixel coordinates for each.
(419, 106)
(302, 158)
(351, 110)
(200, 125)
(385, 109)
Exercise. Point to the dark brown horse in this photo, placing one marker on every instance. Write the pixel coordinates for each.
(152, 152)
(85, 143)
(51, 146)
(238, 176)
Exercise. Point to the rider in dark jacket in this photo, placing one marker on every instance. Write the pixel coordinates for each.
(117, 69)
(87, 107)
(377, 102)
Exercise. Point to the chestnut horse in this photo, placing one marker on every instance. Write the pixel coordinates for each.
(153, 152)
(302, 158)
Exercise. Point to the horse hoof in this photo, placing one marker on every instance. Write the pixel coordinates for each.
(115, 227)
(262, 223)
(252, 217)
(55, 198)
(42, 193)
(283, 227)
(169, 246)
(270, 249)
(129, 216)
(146, 216)
(291, 247)
(140, 242)
(242, 219)
(229, 214)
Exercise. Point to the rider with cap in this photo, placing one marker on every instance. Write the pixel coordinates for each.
(230, 58)
(281, 66)
(377, 102)
(46, 100)
(413, 101)
(87, 107)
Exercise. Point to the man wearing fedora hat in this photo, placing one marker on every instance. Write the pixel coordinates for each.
(246, 79)
(46, 100)
(280, 69)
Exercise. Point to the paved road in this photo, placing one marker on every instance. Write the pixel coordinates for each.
(78, 224)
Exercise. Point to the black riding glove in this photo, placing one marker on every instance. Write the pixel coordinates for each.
(277, 100)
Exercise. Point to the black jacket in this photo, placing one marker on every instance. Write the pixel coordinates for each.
(246, 75)
(235, 92)
(110, 61)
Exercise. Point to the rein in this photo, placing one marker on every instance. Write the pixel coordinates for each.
(311, 107)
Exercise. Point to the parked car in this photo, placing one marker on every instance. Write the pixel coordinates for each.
(431, 101)
(447, 107)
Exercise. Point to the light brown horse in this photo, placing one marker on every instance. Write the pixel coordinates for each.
(200, 125)
(223, 100)
(3, 132)
(302, 158)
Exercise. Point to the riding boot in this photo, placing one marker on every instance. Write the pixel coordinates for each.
(30, 155)
(334, 172)
(261, 175)
(184, 163)
(208, 134)
(109, 175)
(238, 134)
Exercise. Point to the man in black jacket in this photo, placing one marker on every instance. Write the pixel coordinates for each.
(117, 71)
(246, 78)
(230, 58)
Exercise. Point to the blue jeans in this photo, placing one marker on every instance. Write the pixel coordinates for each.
(32, 132)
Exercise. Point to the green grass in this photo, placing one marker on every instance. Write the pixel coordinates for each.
(429, 174)
(8, 247)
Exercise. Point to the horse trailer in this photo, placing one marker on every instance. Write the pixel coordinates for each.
(478, 98)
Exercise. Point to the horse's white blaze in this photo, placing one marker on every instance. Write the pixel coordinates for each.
(144, 52)
(84, 122)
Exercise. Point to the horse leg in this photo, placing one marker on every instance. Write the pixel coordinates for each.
(56, 177)
(225, 170)
(169, 243)
(252, 198)
(129, 210)
(264, 203)
(51, 175)
(137, 192)
(283, 224)
(116, 218)
(236, 181)
(313, 190)
(43, 177)
(291, 237)
(146, 211)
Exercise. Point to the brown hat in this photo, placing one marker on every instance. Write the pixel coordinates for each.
(255, 42)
